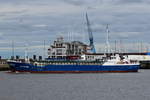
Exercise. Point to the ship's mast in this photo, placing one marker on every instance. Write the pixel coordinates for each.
(13, 50)
(115, 47)
(26, 53)
(107, 40)
(44, 55)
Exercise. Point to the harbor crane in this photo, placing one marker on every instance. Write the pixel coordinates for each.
(92, 47)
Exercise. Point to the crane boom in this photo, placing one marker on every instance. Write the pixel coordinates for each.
(90, 35)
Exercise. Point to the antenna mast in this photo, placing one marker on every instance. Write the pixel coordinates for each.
(13, 50)
(107, 40)
(26, 53)
(44, 50)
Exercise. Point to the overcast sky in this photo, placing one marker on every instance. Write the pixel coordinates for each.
(30, 22)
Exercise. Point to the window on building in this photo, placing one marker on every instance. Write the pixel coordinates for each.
(59, 51)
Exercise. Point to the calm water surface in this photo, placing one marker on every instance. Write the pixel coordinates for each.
(106, 86)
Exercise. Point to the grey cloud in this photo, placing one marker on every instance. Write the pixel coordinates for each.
(10, 14)
(30, 2)
(76, 2)
(87, 3)
(91, 3)
(127, 22)
(129, 1)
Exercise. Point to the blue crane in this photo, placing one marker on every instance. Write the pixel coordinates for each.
(90, 35)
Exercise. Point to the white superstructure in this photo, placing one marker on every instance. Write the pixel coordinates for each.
(61, 49)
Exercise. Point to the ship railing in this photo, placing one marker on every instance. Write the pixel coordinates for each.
(41, 63)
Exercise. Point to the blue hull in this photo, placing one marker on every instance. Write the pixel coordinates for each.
(25, 67)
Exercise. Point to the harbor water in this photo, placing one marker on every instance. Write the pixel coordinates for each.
(91, 86)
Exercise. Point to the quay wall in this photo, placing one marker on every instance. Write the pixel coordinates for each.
(4, 67)
(145, 64)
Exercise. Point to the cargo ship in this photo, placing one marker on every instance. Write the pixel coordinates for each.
(75, 66)
(72, 57)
